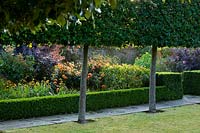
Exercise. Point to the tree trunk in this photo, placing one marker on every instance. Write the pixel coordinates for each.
(83, 87)
(152, 84)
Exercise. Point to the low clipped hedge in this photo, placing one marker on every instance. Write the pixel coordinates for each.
(172, 81)
(191, 82)
(52, 105)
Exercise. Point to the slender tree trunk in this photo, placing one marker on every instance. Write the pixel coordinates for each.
(152, 84)
(83, 87)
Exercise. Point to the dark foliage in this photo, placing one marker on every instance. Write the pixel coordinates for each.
(190, 82)
(16, 68)
(172, 81)
(182, 59)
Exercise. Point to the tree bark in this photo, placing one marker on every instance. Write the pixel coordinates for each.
(152, 84)
(83, 87)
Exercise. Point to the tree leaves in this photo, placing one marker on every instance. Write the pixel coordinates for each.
(170, 24)
(31, 12)
(113, 3)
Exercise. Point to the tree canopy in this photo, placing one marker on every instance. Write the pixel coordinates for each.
(172, 23)
(33, 14)
(111, 29)
(169, 23)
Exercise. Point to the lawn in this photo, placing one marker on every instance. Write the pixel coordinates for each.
(179, 119)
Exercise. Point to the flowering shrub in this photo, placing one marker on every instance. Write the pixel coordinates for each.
(181, 59)
(49, 75)
(124, 77)
(45, 58)
(67, 74)
(96, 63)
(178, 59)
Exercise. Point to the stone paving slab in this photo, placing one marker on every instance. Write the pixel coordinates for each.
(23, 123)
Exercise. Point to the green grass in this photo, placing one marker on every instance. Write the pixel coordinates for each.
(173, 120)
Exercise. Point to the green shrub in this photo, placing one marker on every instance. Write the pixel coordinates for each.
(144, 60)
(51, 105)
(172, 81)
(16, 68)
(191, 81)
(125, 76)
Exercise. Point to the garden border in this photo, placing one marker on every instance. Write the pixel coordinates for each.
(53, 105)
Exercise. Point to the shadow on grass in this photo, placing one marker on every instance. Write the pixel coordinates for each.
(87, 121)
(157, 111)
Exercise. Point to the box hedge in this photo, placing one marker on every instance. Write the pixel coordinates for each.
(191, 82)
(172, 81)
(52, 105)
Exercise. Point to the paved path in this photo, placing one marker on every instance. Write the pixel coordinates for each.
(6, 125)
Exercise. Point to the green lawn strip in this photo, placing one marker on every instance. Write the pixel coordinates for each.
(173, 120)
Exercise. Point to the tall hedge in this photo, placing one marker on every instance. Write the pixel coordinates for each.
(191, 82)
(52, 105)
(172, 81)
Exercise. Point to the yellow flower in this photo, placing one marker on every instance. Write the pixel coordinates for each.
(47, 81)
(30, 45)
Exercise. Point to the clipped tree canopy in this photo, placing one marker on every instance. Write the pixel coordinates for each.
(169, 23)
(109, 28)
(141, 22)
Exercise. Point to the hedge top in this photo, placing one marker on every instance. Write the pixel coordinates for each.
(193, 71)
(70, 95)
(168, 73)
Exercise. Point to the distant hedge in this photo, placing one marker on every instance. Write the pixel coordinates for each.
(172, 81)
(52, 105)
(191, 82)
